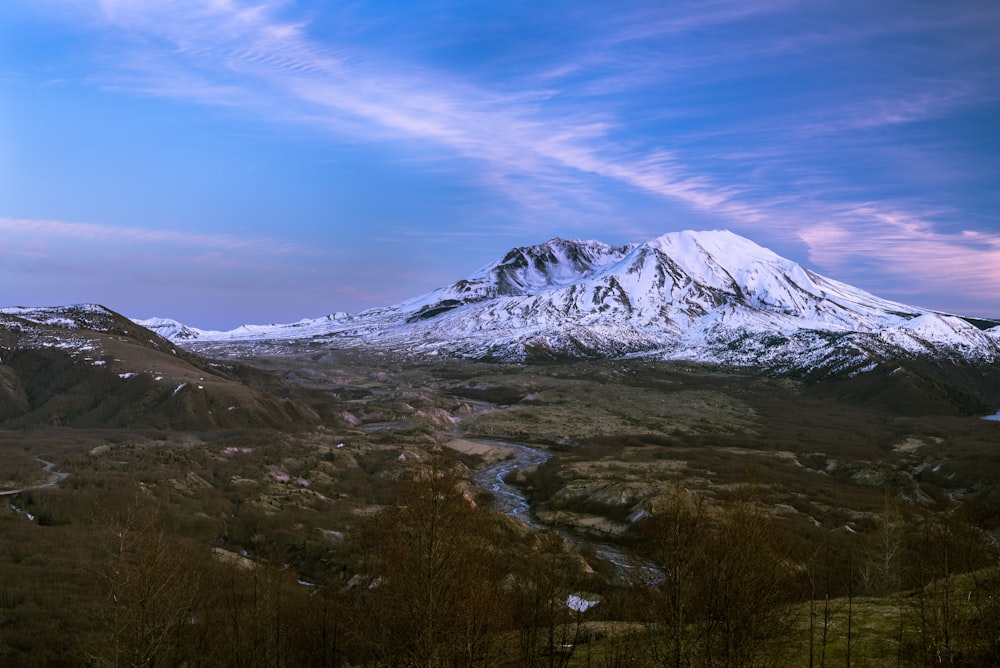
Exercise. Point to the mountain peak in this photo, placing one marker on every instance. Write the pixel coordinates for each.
(556, 262)
(172, 329)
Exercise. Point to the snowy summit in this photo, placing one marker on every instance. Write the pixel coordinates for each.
(700, 296)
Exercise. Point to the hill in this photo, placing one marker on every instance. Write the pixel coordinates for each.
(87, 366)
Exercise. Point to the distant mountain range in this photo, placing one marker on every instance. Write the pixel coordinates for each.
(711, 297)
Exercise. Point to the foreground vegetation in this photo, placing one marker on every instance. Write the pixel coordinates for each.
(754, 522)
(437, 579)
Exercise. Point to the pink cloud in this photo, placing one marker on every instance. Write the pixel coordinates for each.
(909, 252)
(55, 230)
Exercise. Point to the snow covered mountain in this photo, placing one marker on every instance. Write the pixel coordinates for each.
(701, 296)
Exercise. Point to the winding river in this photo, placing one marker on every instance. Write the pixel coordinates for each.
(57, 477)
(507, 498)
(511, 501)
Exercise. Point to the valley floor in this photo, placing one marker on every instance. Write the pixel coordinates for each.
(676, 495)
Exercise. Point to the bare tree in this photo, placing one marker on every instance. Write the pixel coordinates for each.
(548, 629)
(883, 550)
(718, 585)
(676, 533)
(257, 614)
(152, 592)
(953, 570)
(432, 593)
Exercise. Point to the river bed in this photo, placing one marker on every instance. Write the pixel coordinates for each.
(511, 501)
(507, 498)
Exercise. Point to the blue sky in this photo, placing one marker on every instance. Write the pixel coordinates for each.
(232, 161)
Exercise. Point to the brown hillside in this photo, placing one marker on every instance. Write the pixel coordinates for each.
(88, 366)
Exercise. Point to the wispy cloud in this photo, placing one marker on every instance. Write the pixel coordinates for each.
(909, 254)
(929, 100)
(145, 272)
(686, 17)
(528, 144)
(222, 51)
(50, 231)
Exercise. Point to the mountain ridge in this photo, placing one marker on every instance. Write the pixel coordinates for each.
(87, 366)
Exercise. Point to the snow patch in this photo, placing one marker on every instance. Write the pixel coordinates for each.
(579, 604)
(279, 476)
